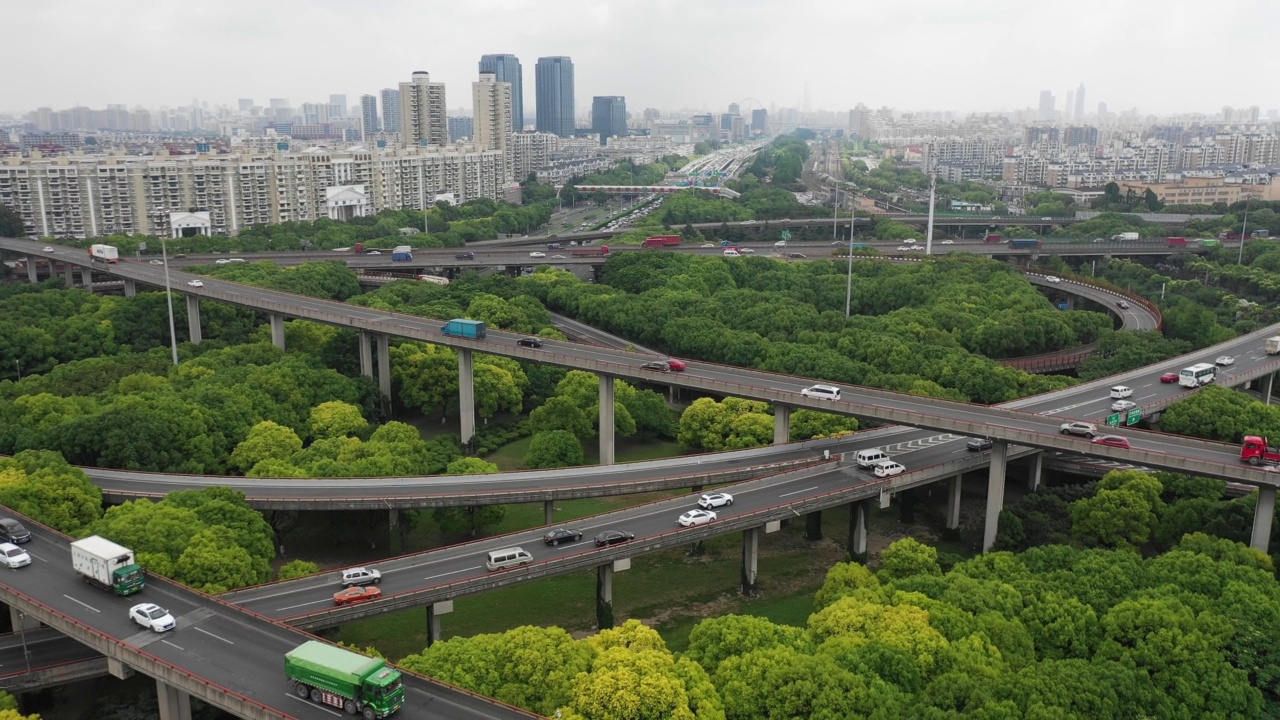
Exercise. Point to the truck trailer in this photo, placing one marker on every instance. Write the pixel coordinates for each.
(106, 253)
(1273, 345)
(108, 565)
(591, 251)
(1125, 236)
(353, 683)
(402, 252)
(1024, 244)
(472, 329)
(660, 241)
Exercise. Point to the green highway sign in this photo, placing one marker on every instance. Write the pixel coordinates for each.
(785, 234)
(1134, 416)
(1113, 420)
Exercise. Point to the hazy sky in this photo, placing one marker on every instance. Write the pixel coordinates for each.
(1161, 56)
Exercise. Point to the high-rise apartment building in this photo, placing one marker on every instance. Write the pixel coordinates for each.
(609, 116)
(1047, 105)
(508, 70)
(759, 120)
(390, 110)
(422, 112)
(553, 78)
(491, 101)
(337, 106)
(246, 104)
(369, 116)
(461, 128)
(1079, 103)
(1070, 105)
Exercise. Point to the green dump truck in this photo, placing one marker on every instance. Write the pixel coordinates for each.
(352, 682)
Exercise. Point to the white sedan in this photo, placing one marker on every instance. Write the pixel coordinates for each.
(152, 617)
(1224, 360)
(195, 283)
(536, 254)
(13, 556)
(948, 242)
(48, 248)
(696, 517)
(711, 500)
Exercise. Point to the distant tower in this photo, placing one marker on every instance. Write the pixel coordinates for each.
(369, 116)
(1046, 105)
(553, 78)
(507, 69)
(491, 128)
(422, 112)
(609, 116)
(1080, 103)
(1069, 106)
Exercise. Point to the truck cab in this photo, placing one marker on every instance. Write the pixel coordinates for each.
(1257, 451)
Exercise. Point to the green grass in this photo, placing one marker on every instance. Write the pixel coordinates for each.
(785, 610)
(510, 457)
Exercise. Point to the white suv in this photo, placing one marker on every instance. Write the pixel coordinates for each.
(822, 392)
(360, 576)
(885, 468)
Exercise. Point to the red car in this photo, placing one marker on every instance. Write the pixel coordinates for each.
(1112, 440)
(357, 594)
(675, 364)
(1169, 377)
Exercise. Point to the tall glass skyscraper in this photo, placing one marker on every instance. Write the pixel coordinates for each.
(508, 70)
(554, 80)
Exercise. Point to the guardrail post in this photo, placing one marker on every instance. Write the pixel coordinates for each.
(1033, 473)
(954, 487)
(31, 270)
(130, 288)
(995, 493)
(1263, 512)
(193, 318)
(277, 327)
(750, 560)
(858, 531)
(466, 396)
(813, 526)
(174, 703)
(548, 511)
(606, 419)
(1266, 388)
(604, 596)
(781, 424)
(366, 356)
(86, 278)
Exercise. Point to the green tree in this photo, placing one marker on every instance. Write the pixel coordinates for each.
(468, 520)
(716, 639)
(561, 413)
(213, 562)
(843, 579)
(906, 558)
(266, 440)
(553, 449)
(11, 223)
(296, 569)
(336, 419)
(470, 466)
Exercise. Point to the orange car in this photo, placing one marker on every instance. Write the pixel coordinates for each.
(357, 594)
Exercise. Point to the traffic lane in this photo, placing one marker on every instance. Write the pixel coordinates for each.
(47, 646)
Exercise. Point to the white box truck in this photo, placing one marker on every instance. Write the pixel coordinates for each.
(106, 253)
(1273, 345)
(1124, 236)
(108, 565)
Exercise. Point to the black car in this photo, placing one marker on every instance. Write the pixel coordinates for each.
(465, 256)
(613, 537)
(12, 531)
(658, 366)
(529, 342)
(797, 256)
(977, 444)
(559, 535)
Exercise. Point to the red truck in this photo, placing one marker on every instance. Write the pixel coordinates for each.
(992, 239)
(659, 241)
(1256, 451)
(359, 248)
(598, 250)
(1176, 241)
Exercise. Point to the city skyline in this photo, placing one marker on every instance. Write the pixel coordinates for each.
(614, 52)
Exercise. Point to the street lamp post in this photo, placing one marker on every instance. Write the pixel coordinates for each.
(168, 294)
(22, 631)
(1243, 228)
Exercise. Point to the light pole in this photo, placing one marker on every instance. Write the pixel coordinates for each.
(928, 237)
(22, 631)
(168, 294)
(835, 214)
(1243, 227)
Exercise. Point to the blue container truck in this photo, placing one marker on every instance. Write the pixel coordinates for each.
(473, 329)
(402, 252)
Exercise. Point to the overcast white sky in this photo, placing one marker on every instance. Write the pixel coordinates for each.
(1162, 56)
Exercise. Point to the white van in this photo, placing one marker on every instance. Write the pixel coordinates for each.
(507, 557)
(780, 244)
(886, 468)
(871, 456)
(730, 252)
(1120, 392)
(822, 392)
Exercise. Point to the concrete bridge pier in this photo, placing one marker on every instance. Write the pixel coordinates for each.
(813, 526)
(781, 424)
(604, 596)
(174, 703)
(86, 278)
(995, 493)
(434, 611)
(750, 560)
(21, 620)
(193, 318)
(607, 399)
(1260, 539)
(858, 530)
(277, 326)
(954, 488)
(366, 356)
(1266, 387)
(549, 511)
(383, 352)
(70, 275)
(31, 271)
(393, 527)
(466, 395)
(130, 288)
(1033, 473)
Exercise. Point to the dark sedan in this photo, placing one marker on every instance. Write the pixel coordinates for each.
(613, 537)
(529, 342)
(562, 535)
(656, 366)
(977, 444)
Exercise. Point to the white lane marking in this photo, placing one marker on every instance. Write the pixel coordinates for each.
(315, 705)
(1144, 397)
(206, 632)
(294, 607)
(1068, 407)
(82, 603)
(41, 559)
(451, 572)
(797, 492)
(166, 642)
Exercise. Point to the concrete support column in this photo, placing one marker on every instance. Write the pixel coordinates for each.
(1266, 388)
(954, 487)
(1262, 515)
(174, 703)
(813, 526)
(606, 420)
(781, 424)
(366, 357)
(277, 330)
(86, 278)
(22, 620)
(393, 525)
(434, 611)
(130, 287)
(193, 318)
(750, 560)
(858, 530)
(995, 493)
(69, 274)
(466, 395)
(31, 271)
(384, 363)
(1033, 473)
(604, 596)
(549, 511)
